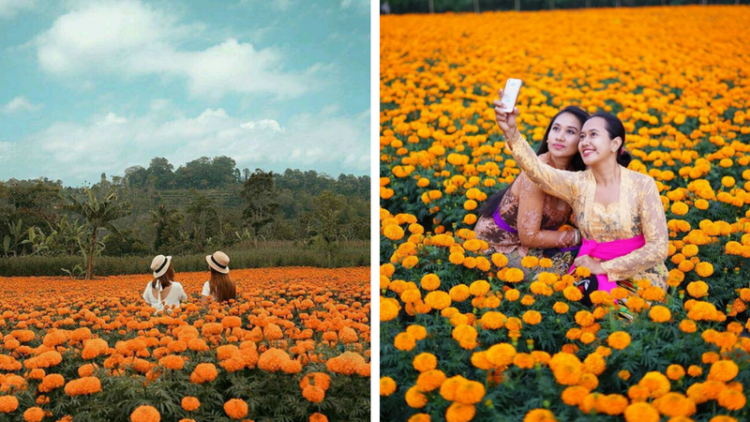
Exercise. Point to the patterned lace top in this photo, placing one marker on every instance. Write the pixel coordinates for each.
(535, 229)
(638, 211)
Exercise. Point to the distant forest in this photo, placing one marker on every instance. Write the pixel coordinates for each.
(440, 6)
(205, 204)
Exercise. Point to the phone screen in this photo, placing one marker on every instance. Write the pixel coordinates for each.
(510, 94)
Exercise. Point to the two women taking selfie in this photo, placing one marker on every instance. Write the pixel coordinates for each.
(619, 213)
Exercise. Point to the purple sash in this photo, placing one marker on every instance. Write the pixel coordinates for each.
(505, 226)
(502, 224)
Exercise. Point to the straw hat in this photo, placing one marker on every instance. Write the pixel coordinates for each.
(219, 261)
(160, 265)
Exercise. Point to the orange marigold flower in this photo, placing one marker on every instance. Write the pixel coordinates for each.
(539, 415)
(641, 412)
(236, 408)
(619, 340)
(145, 414)
(425, 362)
(732, 400)
(387, 386)
(458, 412)
(318, 417)
(313, 394)
(415, 398)
(83, 386)
(723, 370)
(675, 372)
(204, 372)
(190, 403)
(430, 380)
(660, 314)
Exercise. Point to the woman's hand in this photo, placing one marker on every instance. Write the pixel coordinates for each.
(505, 120)
(594, 265)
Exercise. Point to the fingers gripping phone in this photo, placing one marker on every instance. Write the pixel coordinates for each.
(510, 94)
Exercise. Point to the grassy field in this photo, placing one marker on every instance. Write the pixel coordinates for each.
(268, 254)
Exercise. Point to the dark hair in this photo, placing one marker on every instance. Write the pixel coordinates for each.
(166, 279)
(221, 286)
(493, 202)
(615, 129)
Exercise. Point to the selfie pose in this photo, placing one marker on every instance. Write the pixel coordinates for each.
(521, 220)
(619, 211)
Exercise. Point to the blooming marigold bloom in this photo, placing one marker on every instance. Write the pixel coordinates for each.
(190, 403)
(425, 362)
(501, 354)
(539, 415)
(83, 386)
(204, 372)
(430, 380)
(313, 394)
(318, 417)
(732, 400)
(33, 414)
(618, 340)
(458, 412)
(660, 314)
(723, 370)
(51, 382)
(675, 405)
(387, 386)
(656, 383)
(514, 275)
(624, 375)
(641, 412)
(532, 317)
(415, 398)
(236, 408)
(145, 414)
(675, 372)
(469, 392)
(560, 307)
(404, 341)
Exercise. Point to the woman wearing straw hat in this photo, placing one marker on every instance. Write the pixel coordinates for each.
(220, 287)
(163, 290)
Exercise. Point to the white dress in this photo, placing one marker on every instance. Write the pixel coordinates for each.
(174, 297)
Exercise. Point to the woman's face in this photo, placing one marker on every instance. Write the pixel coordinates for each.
(595, 145)
(564, 136)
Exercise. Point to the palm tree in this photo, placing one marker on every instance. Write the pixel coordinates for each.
(98, 214)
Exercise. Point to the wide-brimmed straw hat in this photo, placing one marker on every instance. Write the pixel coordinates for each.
(219, 261)
(160, 265)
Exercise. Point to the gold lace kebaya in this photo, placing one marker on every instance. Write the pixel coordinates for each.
(639, 211)
(538, 229)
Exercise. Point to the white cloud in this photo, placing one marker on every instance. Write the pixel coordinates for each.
(6, 151)
(282, 5)
(19, 104)
(110, 143)
(360, 5)
(10, 8)
(130, 38)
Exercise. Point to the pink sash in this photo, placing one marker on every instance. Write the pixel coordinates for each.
(606, 251)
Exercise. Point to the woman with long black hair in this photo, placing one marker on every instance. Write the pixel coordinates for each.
(521, 220)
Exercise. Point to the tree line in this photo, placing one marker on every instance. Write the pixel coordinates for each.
(440, 6)
(204, 205)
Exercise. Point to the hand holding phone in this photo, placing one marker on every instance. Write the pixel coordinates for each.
(510, 94)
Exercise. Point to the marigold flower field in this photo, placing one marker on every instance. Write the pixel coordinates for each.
(462, 337)
(294, 346)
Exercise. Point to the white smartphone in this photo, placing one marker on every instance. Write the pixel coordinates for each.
(510, 94)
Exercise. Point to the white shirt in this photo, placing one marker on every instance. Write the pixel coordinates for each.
(174, 297)
(207, 290)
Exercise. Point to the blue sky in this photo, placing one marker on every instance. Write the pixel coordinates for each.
(91, 86)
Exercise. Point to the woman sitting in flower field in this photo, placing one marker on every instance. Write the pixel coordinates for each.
(619, 211)
(220, 287)
(521, 220)
(163, 290)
